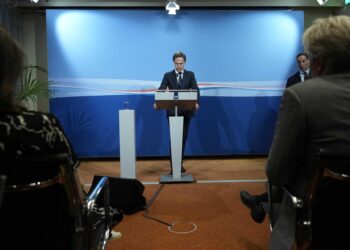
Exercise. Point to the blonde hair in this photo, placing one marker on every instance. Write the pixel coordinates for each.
(328, 39)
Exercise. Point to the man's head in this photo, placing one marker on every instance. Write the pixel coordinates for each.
(303, 61)
(327, 42)
(179, 60)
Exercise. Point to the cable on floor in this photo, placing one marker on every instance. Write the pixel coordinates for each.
(146, 213)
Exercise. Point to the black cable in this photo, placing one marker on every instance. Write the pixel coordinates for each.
(145, 214)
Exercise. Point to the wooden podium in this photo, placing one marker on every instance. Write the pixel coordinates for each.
(176, 100)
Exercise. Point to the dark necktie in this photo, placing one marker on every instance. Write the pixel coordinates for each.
(306, 76)
(180, 80)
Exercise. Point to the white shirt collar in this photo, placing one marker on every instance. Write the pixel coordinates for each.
(302, 72)
(302, 76)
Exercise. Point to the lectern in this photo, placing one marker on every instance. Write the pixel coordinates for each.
(176, 100)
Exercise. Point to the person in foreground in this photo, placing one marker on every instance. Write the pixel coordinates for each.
(22, 132)
(304, 72)
(311, 115)
(180, 79)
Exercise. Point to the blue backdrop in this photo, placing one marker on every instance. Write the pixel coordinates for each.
(98, 59)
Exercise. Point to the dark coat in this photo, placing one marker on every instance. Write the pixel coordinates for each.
(294, 79)
(311, 115)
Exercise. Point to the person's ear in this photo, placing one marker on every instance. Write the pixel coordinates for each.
(317, 67)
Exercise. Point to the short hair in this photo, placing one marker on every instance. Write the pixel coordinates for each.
(12, 61)
(302, 54)
(328, 39)
(179, 54)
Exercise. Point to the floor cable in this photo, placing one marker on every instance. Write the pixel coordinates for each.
(146, 213)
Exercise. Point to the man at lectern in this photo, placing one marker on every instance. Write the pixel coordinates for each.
(181, 79)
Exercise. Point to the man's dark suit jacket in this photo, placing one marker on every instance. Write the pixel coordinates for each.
(304, 123)
(188, 82)
(293, 79)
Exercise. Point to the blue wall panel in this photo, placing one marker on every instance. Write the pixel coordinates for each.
(98, 59)
(91, 124)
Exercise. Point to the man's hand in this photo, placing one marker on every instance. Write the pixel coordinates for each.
(155, 106)
(197, 106)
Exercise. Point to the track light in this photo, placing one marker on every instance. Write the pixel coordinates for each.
(172, 7)
(321, 2)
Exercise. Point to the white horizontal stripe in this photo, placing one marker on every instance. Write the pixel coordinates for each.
(74, 87)
(211, 181)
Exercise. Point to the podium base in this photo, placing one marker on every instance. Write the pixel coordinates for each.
(170, 179)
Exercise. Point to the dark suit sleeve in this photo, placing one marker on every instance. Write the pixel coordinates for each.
(289, 141)
(165, 82)
(294, 79)
(193, 82)
(194, 85)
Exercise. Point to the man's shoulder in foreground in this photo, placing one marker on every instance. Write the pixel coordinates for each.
(324, 84)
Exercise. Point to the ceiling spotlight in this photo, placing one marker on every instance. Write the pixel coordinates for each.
(172, 7)
(321, 2)
(34, 1)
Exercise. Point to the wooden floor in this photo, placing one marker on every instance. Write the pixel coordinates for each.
(202, 169)
(213, 204)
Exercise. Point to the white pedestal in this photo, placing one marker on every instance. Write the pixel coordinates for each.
(127, 143)
(177, 100)
(176, 135)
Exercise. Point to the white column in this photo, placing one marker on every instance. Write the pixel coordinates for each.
(127, 143)
(176, 131)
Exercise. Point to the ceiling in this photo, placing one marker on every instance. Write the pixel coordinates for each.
(182, 3)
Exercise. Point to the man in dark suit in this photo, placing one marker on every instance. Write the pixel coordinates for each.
(179, 78)
(311, 115)
(304, 72)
